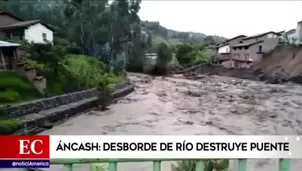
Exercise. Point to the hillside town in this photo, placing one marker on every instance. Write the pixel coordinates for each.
(243, 51)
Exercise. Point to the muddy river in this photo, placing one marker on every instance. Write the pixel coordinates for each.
(211, 105)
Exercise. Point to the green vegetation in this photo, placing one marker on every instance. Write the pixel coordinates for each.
(172, 38)
(174, 64)
(15, 88)
(171, 58)
(157, 40)
(164, 56)
(163, 62)
(7, 124)
(188, 55)
(65, 73)
(89, 72)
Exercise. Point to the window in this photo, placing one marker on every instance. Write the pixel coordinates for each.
(240, 42)
(44, 36)
(260, 48)
(245, 47)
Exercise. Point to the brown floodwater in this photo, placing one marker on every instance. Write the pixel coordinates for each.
(211, 105)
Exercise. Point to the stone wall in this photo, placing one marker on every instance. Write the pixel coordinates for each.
(36, 106)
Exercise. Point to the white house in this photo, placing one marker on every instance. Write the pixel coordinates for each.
(294, 36)
(224, 49)
(299, 32)
(291, 35)
(34, 31)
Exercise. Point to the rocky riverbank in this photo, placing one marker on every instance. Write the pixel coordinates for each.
(35, 116)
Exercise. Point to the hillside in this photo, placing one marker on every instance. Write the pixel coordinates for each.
(172, 37)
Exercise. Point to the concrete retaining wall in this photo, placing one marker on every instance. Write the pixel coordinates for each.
(36, 106)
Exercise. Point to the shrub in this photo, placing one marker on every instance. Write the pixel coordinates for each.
(189, 55)
(88, 71)
(184, 54)
(33, 64)
(105, 93)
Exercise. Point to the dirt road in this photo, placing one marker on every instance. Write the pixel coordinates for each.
(208, 106)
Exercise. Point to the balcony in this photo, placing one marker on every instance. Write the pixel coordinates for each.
(222, 57)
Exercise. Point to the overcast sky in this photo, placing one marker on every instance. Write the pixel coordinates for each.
(224, 18)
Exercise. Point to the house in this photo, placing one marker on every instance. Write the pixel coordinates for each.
(251, 49)
(8, 55)
(223, 50)
(291, 36)
(34, 31)
(294, 36)
(151, 56)
(299, 32)
(225, 46)
(10, 60)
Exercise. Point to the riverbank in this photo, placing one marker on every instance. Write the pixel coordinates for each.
(283, 64)
(35, 116)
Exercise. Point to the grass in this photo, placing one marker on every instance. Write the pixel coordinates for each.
(89, 71)
(14, 88)
(75, 73)
(8, 125)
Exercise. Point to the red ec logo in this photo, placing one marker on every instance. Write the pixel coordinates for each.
(24, 146)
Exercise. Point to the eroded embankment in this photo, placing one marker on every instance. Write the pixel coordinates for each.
(284, 63)
(281, 65)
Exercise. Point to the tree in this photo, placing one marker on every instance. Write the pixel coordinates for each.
(108, 32)
(184, 54)
(164, 56)
(209, 40)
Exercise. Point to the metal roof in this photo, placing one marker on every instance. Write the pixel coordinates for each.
(8, 44)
